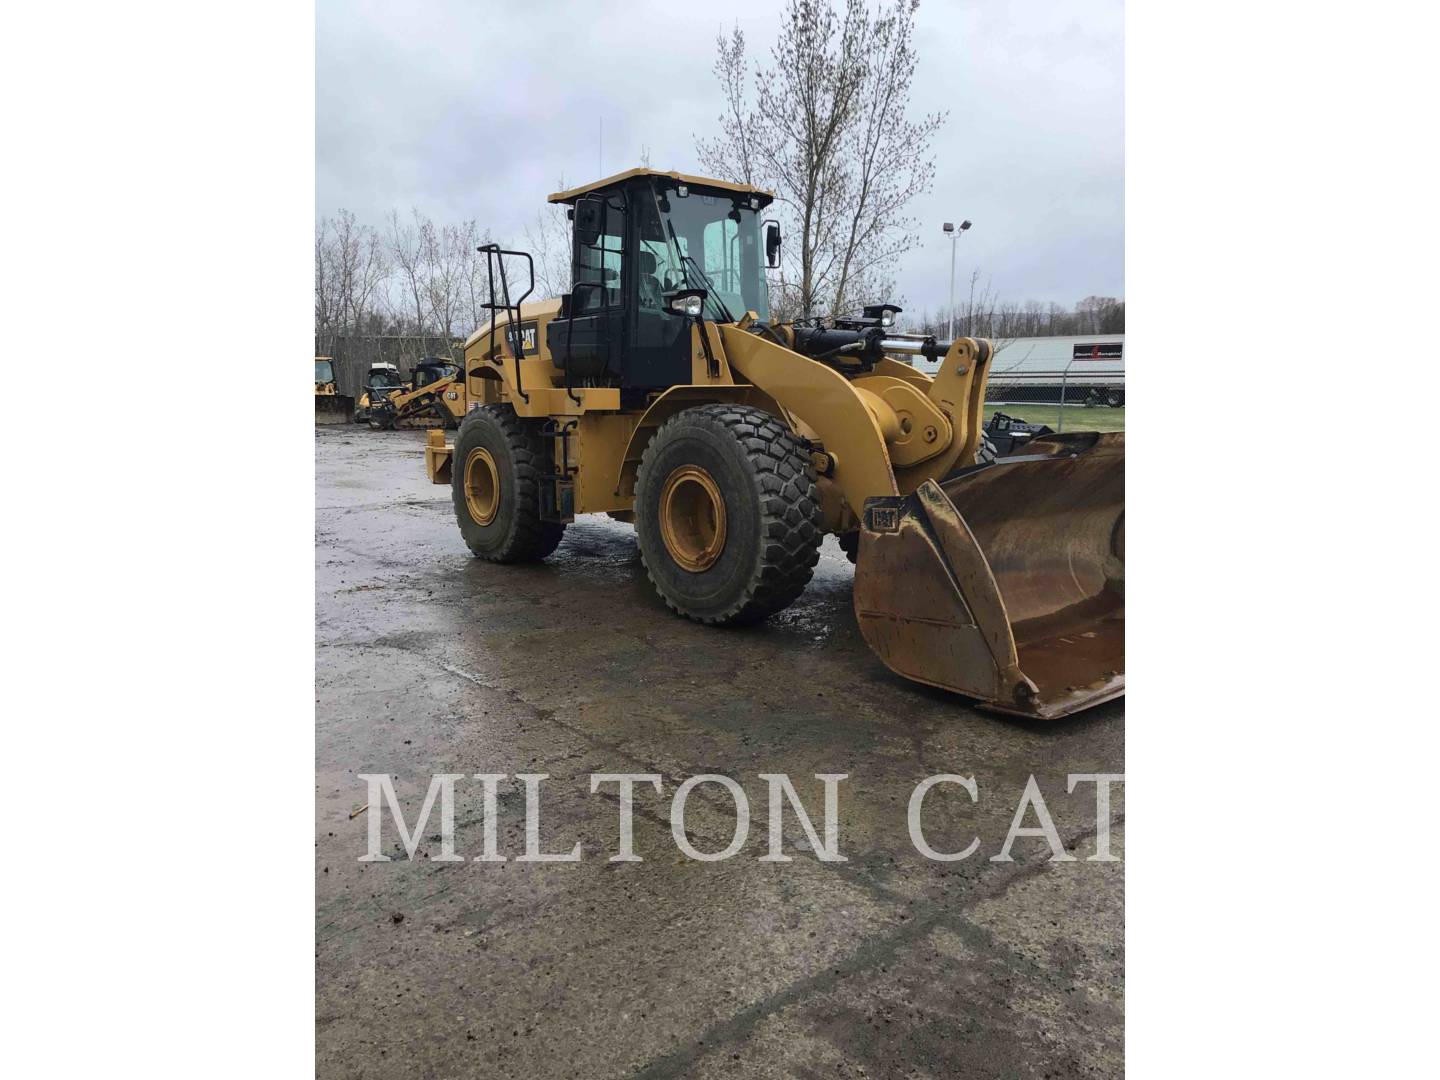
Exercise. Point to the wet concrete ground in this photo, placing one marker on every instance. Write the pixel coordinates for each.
(887, 965)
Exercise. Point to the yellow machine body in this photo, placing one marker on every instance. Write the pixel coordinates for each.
(1001, 581)
(331, 407)
(880, 434)
(435, 397)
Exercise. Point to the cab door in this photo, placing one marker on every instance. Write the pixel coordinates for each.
(659, 353)
(587, 340)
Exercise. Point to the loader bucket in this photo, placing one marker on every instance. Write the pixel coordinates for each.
(1005, 582)
(333, 409)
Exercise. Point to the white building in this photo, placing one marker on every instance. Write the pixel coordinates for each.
(1035, 369)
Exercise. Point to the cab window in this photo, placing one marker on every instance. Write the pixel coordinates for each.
(602, 264)
(722, 254)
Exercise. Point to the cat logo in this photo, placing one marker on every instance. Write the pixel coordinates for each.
(883, 519)
(529, 337)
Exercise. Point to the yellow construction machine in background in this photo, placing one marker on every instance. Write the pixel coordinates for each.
(659, 391)
(331, 407)
(435, 397)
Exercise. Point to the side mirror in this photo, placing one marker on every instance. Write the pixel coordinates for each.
(589, 213)
(687, 302)
(772, 244)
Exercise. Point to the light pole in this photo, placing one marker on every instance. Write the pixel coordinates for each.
(954, 235)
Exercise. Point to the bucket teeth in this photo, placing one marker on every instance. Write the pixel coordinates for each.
(1005, 582)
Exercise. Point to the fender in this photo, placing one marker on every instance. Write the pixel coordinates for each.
(825, 402)
(678, 399)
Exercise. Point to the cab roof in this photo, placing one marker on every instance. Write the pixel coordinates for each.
(682, 178)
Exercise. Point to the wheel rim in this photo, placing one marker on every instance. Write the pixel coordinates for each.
(482, 486)
(692, 518)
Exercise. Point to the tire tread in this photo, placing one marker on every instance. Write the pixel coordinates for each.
(531, 538)
(789, 506)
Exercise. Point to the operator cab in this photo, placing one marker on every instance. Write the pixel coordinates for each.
(383, 378)
(324, 370)
(649, 249)
(433, 369)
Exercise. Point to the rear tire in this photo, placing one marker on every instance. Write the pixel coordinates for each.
(727, 513)
(495, 486)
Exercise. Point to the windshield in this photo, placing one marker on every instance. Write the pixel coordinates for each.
(424, 376)
(324, 371)
(709, 242)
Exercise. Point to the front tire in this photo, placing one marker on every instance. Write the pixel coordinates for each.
(727, 513)
(495, 486)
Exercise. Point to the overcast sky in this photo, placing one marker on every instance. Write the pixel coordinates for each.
(476, 109)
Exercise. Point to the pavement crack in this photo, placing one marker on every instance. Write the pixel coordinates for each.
(875, 951)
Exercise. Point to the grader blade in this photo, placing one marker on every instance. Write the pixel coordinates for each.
(1005, 582)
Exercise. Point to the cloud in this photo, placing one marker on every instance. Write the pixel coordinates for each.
(477, 110)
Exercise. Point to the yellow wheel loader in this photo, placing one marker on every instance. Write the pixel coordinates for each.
(660, 392)
(331, 407)
(435, 396)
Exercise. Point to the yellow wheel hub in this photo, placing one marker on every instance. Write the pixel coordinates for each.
(692, 518)
(482, 486)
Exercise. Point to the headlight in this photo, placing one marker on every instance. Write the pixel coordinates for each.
(690, 305)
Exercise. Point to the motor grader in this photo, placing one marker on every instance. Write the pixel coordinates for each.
(660, 392)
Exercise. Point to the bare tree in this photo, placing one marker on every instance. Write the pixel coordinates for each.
(444, 263)
(890, 156)
(476, 285)
(828, 131)
(363, 267)
(548, 239)
(1098, 314)
(325, 299)
(405, 248)
(731, 155)
(350, 268)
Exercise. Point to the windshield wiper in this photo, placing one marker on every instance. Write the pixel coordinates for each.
(710, 289)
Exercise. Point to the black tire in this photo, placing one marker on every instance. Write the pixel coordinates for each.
(514, 532)
(766, 479)
(1115, 397)
(850, 545)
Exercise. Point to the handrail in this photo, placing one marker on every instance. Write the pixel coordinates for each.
(495, 255)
